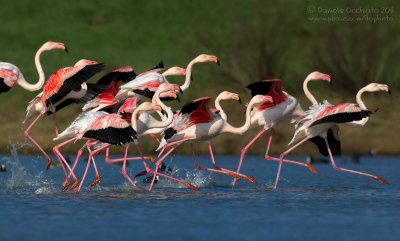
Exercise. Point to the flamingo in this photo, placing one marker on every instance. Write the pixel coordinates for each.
(113, 129)
(147, 84)
(320, 117)
(269, 116)
(61, 86)
(196, 122)
(113, 80)
(10, 74)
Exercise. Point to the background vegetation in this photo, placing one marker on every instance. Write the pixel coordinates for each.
(254, 40)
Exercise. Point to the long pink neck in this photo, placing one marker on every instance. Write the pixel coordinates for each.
(33, 87)
(307, 92)
(239, 130)
(218, 107)
(188, 75)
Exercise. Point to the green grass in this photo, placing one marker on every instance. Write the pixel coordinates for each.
(254, 40)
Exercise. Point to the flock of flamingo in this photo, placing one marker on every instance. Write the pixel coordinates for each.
(114, 114)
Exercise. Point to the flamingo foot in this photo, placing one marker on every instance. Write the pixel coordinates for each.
(380, 179)
(95, 182)
(312, 169)
(141, 174)
(66, 185)
(74, 185)
(77, 191)
(234, 175)
(250, 179)
(192, 186)
(49, 161)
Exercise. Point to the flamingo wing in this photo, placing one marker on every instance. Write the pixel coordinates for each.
(66, 80)
(341, 113)
(197, 111)
(127, 105)
(124, 74)
(112, 129)
(7, 79)
(334, 144)
(270, 87)
(159, 67)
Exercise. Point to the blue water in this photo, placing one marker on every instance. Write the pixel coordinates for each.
(330, 206)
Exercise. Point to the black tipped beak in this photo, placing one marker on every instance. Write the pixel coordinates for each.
(390, 92)
(273, 101)
(66, 50)
(218, 63)
(191, 76)
(177, 98)
(331, 82)
(180, 90)
(240, 100)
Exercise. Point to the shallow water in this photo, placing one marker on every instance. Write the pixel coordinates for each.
(330, 206)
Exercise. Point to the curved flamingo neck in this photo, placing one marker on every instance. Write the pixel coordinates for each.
(33, 87)
(218, 107)
(242, 129)
(188, 75)
(307, 92)
(358, 98)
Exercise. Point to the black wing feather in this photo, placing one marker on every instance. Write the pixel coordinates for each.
(343, 117)
(3, 86)
(74, 82)
(112, 135)
(117, 76)
(333, 143)
(259, 88)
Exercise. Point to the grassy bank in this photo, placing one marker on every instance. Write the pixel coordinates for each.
(254, 40)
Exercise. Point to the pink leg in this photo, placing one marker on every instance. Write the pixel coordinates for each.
(55, 123)
(91, 154)
(351, 171)
(209, 169)
(35, 143)
(243, 152)
(61, 157)
(283, 155)
(97, 174)
(124, 166)
(171, 144)
(163, 175)
(268, 157)
(229, 172)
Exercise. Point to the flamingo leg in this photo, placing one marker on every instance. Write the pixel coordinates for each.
(268, 157)
(163, 175)
(229, 172)
(243, 152)
(124, 166)
(171, 144)
(283, 155)
(35, 143)
(78, 155)
(351, 171)
(210, 169)
(62, 159)
(97, 174)
(91, 154)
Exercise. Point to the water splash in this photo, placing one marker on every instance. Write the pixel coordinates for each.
(19, 176)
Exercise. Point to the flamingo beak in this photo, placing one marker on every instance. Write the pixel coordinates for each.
(390, 92)
(236, 97)
(191, 76)
(215, 59)
(177, 98)
(65, 49)
(180, 90)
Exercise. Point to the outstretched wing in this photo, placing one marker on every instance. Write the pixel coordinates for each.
(66, 80)
(270, 87)
(124, 74)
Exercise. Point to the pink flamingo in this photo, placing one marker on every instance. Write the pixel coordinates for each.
(196, 122)
(113, 80)
(320, 117)
(10, 74)
(61, 86)
(147, 84)
(269, 116)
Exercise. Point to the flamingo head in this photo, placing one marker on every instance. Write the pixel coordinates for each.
(374, 87)
(226, 95)
(206, 58)
(261, 99)
(175, 71)
(170, 94)
(319, 76)
(85, 62)
(50, 45)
